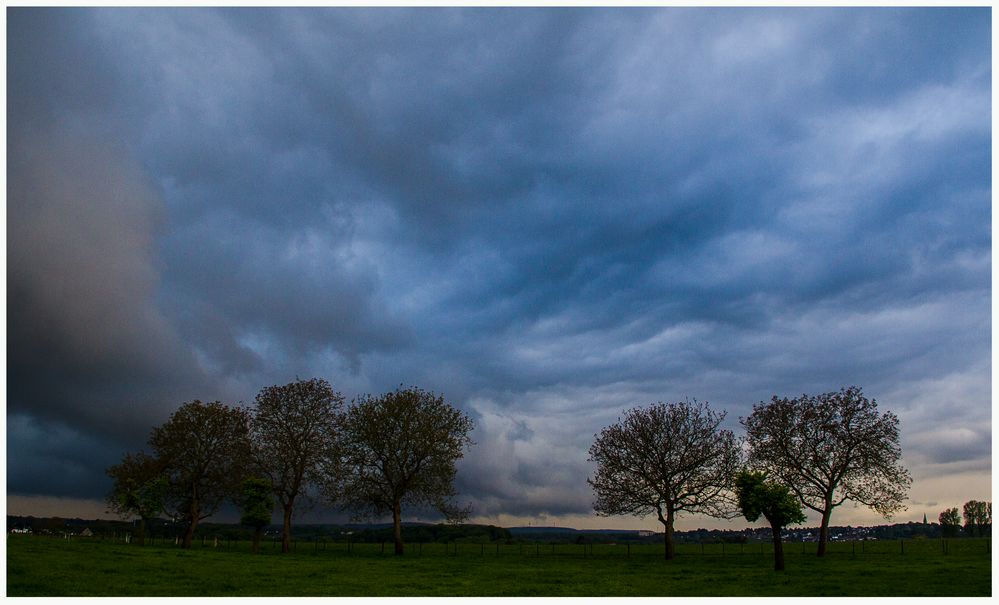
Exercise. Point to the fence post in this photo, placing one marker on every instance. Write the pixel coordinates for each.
(629, 550)
(723, 549)
(901, 546)
(482, 548)
(854, 548)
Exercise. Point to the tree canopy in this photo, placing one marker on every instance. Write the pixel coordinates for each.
(401, 448)
(667, 459)
(205, 450)
(139, 488)
(257, 503)
(294, 428)
(977, 517)
(758, 496)
(950, 522)
(828, 449)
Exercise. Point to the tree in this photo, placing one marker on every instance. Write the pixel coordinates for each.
(205, 450)
(139, 489)
(294, 427)
(828, 449)
(668, 459)
(950, 521)
(257, 504)
(775, 502)
(977, 516)
(401, 448)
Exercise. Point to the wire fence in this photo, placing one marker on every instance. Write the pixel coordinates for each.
(854, 548)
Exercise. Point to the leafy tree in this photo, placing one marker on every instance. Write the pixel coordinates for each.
(205, 449)
(977, 516)
(828, 449)
(401, 448)
(950, 522)
(668, 459)
(775, 502)
(295, 426)
(258, 505)
(139, 489)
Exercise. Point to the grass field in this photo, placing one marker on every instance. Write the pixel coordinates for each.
(49, 566)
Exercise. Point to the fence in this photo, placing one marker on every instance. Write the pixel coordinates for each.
(866, 548)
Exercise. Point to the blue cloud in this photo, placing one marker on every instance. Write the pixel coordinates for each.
(550, 215)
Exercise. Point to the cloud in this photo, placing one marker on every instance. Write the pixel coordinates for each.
(549, 216)
(89, 345)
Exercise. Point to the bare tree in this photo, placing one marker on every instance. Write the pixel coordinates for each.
(139, 489)
(293, 428)
(401, 448)
(205, 449)
(829, 449)
(668, 459)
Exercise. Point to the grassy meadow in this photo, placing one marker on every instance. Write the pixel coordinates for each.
(51, 566)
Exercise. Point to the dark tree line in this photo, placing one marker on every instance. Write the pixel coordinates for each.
(977, 519)
(813, 452)
(296, 445)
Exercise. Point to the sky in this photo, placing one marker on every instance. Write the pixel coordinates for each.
(550, 216)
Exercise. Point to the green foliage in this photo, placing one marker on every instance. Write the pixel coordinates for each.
(139, 486)
(256, 501)
(776, 503)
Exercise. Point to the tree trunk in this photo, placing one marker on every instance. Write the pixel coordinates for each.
(195, 513)
(140, 535)
(824, 530)
(286, 538)
(192, 524)
(778, 548)
(397, 526)
(668, 546)
(256, 538)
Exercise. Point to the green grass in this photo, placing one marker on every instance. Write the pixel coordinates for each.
(43, 566)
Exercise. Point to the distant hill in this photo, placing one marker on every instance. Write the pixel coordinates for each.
(541, 529)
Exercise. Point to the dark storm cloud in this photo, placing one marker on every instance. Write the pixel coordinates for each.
(548, 215)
